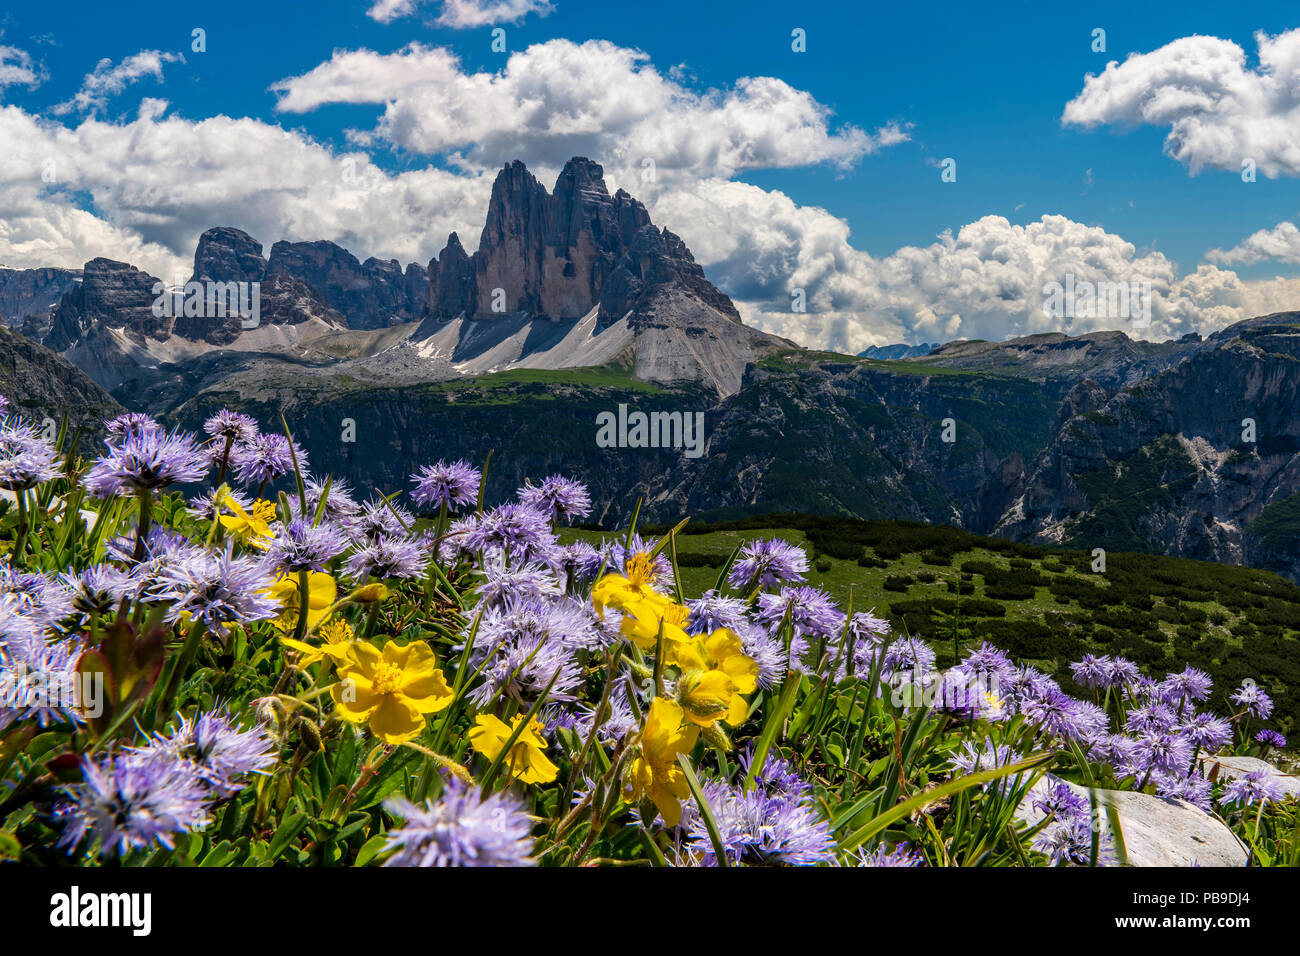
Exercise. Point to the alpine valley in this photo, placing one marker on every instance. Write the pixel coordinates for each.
(574, 304)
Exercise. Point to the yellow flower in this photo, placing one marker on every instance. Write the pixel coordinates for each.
(391, 690)
(336, 635)
(625, 593)
(251, 528)
(527, 758)
(641, 624)
(715, 672)
(656, 773)
(321, 593)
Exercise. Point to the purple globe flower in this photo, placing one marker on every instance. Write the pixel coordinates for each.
(1251, 698)
(1193, 788)
(463, 828)
(379, 519)
(1093, 671)
(1178, 690)
(446, 484)
(146, 460)
(1207, 732)
(128, 802)
(265, 458)
(711, 611)
(768, 564)
(299, 546)
(559, 498)
(227, 426)
(386, 557)
(520, 532)
(26, 459)
(758, 827)
(1123, 672)
(130, 424)
(504, 583)
(339, 504)
(1255, 787)
(219, 751)
(1164, 751)
(884, 855)
(216, 588)
(1271, 738)
(578, 563)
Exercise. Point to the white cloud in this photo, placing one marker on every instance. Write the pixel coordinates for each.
(158, 181)
(18, 69)
(1219, 111)
(985, 281)
(108, 80)
(559, 99)
(462, 14)
(1281, 243)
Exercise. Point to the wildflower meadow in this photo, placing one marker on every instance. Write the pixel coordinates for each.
(212, 656)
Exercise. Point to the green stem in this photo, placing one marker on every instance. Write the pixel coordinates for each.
(304, 605)
(20, 546)
(181, 664)
(144, 523)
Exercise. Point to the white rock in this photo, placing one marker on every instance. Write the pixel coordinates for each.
(1157, 831)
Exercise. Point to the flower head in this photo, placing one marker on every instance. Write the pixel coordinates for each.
(463, 828)
(559, 498)
(655, 773)
(527, 761)
(446, 485)
(392, 690)
(768, 564)
(301, 546)
(26, 459)
(146, 460)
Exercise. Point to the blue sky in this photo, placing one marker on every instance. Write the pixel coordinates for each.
(986, 87)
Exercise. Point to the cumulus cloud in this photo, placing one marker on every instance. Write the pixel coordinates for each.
(108, 80)
(18, 69)
(156, 182)
(1220, 112)
(1281, 243)
(462, 14)
(984, 281)
(559, 99)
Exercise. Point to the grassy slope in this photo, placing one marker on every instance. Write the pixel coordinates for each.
(1048, 609)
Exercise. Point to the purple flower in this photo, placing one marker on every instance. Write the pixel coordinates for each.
(99, 589)
(132, 423)
(26, 459)
(146, 460)
(1123, 672)
(1271, 738)
(39, 681)
(129, 802)
(301, 547)
(1060, 715)
(228, 426)
(385, 557)
(1254, 787)
(339, 504)
(884, 855)
(1163, 751)
(758, 827)
(1207, 732)
(1252, 699)
(768, 564)
(988, 661)
(810, 612)
(1180, 689)
(558, 498)
(265, 458)
(216, 748)
(446, 484)
(522, 533)
(379, 519)
(217, 588)
(1147, 718)
(1062, 802)
(503, 582)
(463, 828)
(1193, 788)
(1093, 671)
(578, 563)
(908, 655)
(711, 611)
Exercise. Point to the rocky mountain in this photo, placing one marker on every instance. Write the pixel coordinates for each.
(569, 278)
(27, 297)
(900, 350)
(1198, 459)
(42, 385)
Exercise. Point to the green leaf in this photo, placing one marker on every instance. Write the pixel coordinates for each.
(715, 837)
